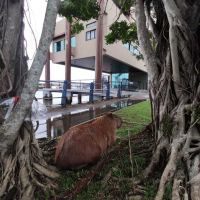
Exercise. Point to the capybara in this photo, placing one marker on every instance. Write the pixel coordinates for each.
(84, 144)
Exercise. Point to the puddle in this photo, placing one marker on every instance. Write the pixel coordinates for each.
(56, 100)
(58, 125)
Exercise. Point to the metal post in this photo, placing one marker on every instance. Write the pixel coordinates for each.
(47, 71)
(64, 94)
(91, 97)
(108, 91)
(119, 91)
(79, 98)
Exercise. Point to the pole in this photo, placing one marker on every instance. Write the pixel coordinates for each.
(68, 54)
(99, 47)
(47, 71)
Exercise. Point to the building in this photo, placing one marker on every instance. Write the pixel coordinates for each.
(116, 59)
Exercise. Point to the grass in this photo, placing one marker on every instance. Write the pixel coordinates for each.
(136, 117)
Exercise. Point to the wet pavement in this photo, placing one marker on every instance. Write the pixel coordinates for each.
(58, 120)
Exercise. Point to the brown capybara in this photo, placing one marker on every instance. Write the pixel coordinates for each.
(84, 144)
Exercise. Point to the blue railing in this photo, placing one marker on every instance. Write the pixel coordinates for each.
(87, 87)
(84, 87)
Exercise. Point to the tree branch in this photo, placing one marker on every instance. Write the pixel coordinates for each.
(144, 40)
(171, 166)
(151, 22)
(9, 130)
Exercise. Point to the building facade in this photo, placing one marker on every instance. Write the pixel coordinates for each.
(117, 59)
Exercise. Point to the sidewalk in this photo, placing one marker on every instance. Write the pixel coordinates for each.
(76, 108)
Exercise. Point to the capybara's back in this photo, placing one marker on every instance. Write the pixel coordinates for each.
(84, 144)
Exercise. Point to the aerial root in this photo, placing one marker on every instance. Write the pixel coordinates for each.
(171, 166)
(25, 170)
(179, 190)
(156, 157)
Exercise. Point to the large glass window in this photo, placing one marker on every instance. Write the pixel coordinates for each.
(60, 45)
(132, 49)
(118, 79)
(91, 34)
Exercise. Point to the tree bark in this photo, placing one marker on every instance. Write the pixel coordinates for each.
(173, 66)
(24, 171)
(13, 69)
(9, 130)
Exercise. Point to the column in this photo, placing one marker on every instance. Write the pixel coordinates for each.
(47, 71)
(68, 54)
(99, 47)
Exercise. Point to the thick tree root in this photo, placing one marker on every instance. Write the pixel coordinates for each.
(182, 168)
(171, 166)
(156, 157)
(25, 170)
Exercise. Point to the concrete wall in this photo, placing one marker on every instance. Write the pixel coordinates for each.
(85, 48)
(60, 28)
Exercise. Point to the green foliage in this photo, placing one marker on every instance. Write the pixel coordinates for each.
(74, 11)
(167, 125)
(127, 33)
(82, 10)
(123, 31)
(124, 5)
(76, 27)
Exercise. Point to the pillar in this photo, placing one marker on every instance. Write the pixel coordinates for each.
(99, 47)
(47, 71)
(68, 54)
(48, 123)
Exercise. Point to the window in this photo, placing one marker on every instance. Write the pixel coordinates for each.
(91, 25)
(60, 45)
(54, 47)
(117, 78)
(132, 48)
(73, 41)
(91, 34)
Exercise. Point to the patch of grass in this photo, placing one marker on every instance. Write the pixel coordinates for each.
(135, 118)
(93, 190)
(150, 190)
(168, 192)
(69, 178)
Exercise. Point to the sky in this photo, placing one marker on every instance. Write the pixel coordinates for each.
(34, 16)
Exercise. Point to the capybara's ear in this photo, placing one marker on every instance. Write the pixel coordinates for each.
(109, 114)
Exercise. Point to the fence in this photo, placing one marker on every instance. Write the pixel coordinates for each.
(79, 87)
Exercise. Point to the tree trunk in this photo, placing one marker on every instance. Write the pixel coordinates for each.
(13, 65)
(23, 168)
(173, 67)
